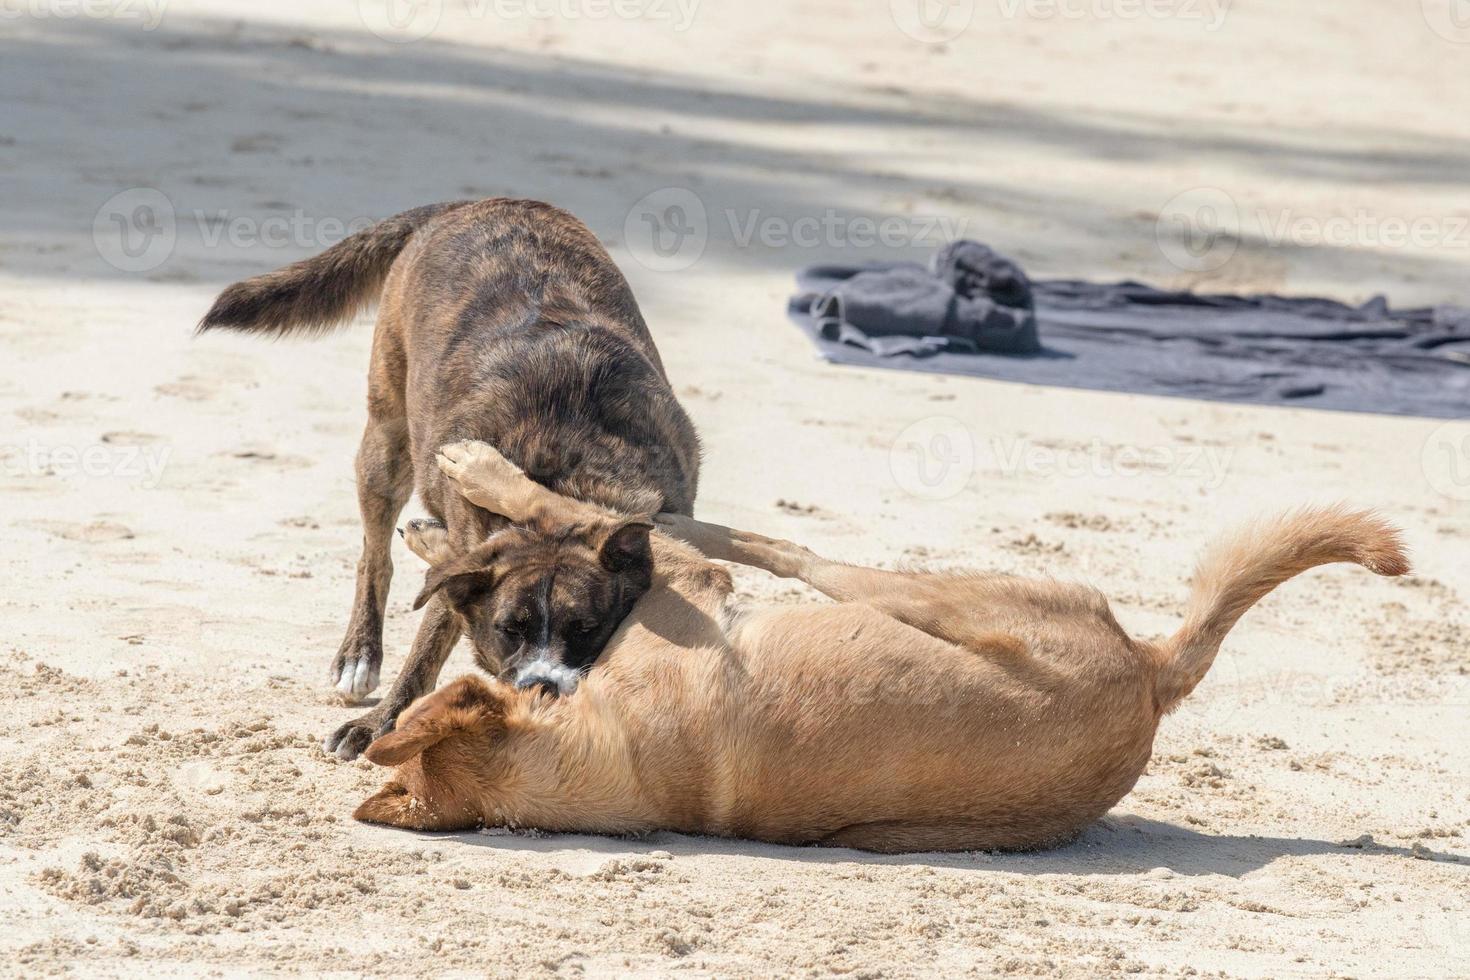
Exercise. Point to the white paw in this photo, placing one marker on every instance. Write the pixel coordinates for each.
(356, 679)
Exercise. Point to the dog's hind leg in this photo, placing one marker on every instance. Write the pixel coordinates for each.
(384, 484)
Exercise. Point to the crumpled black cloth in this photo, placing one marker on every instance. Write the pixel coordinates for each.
(1127, 336)
(970, 299)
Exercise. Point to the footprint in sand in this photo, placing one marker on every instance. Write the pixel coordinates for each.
(129, 438)
(188, 388)
(279, 461)
(202, 777)
(91, 533)
(257, 143)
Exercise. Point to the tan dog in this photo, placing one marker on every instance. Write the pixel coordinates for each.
(919, 712)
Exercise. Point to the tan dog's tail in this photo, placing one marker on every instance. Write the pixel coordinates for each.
(1238, 571)
(316, 294)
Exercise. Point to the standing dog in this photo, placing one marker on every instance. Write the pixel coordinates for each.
(506, 321)
(949, 711)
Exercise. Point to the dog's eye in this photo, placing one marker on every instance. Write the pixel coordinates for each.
(586, 625)
(512, 627)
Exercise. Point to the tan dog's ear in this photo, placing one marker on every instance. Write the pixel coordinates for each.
(427, 538)
(467, 705)
(394, 806)
(468, 571)
(626, 546)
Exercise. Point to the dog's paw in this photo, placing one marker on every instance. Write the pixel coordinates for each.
(486, 478)
(468, 450)
(354, 673)
(428, 538)
(349, 741)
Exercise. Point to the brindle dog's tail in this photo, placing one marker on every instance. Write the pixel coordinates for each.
(1238, 571)
(315, 295)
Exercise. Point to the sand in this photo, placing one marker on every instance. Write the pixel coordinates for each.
(181, 528)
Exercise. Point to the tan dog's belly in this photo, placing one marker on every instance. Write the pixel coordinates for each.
(839, 724)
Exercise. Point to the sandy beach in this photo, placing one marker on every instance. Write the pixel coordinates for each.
(181, 528)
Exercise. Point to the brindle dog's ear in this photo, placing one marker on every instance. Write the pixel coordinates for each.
(472, 571)
(626, 546)
(467, 705)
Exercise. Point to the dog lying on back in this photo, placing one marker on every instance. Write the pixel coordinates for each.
(505, 321)
(946, 711)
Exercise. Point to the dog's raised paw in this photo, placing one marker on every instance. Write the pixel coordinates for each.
(478, 466)
(428, 538)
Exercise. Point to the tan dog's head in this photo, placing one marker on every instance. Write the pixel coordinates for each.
(541, 598)
(444, 749)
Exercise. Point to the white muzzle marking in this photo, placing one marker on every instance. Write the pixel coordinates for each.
(560, 676)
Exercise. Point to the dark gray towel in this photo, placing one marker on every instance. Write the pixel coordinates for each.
(978, 270)
(970, 299)
(1126, 336)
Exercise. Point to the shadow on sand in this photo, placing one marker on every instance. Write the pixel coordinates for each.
(266, 122)
(1116, 845)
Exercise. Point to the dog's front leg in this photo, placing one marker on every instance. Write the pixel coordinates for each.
(437, 635)
(384, 483)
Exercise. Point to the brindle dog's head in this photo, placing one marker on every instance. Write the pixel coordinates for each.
(540, 599)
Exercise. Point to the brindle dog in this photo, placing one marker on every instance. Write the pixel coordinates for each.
(506, 321)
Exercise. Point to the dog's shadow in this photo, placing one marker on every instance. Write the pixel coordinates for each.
(1120, 844)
